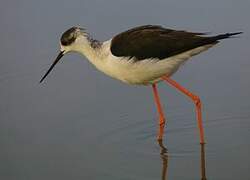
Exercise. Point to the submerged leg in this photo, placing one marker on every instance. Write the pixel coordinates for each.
(160, 111)
(196, 101)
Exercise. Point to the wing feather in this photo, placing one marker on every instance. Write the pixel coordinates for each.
(151, 41)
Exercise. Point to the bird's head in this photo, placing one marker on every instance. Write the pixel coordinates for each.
(71, 40)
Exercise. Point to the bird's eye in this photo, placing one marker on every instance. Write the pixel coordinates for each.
(68, 36)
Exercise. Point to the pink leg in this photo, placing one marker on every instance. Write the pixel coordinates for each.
(196, 101)
(160, 111)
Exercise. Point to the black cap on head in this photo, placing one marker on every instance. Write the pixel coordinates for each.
(69, 36)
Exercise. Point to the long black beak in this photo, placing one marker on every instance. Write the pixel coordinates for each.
(60, 55)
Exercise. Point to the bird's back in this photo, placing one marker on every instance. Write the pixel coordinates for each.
(152, 41)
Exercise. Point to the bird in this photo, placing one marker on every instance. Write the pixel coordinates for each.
(144, 55)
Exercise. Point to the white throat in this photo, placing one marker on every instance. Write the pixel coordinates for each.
(87, 47)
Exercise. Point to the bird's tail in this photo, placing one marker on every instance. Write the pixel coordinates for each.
(225, 36)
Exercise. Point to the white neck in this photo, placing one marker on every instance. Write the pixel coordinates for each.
(83, 46)
(96, 52)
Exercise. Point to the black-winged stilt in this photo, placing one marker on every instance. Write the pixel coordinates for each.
(144, 55)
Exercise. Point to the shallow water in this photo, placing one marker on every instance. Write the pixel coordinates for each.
(80, 124)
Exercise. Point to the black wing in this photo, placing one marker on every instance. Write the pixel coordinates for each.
(157, 42)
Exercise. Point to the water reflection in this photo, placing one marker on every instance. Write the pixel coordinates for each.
(164, 158)
(203, 163)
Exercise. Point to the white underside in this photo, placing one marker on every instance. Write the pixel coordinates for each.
(138, 72)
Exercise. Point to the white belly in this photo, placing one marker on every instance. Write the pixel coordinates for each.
(145, 71)
(139, 72)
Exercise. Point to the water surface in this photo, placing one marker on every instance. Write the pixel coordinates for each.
(80, 124)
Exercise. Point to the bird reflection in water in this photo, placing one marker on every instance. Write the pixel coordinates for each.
(164, 157)
(203, 162)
